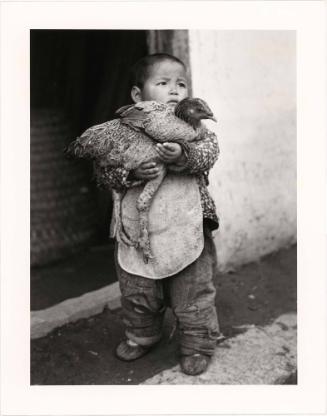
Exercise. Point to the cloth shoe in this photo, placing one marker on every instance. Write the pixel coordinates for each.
(128, 350)
(195, 364)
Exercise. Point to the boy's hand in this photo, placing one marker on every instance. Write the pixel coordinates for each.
(147, 171)
(169, 152)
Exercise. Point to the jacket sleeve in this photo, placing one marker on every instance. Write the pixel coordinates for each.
(201, 155)
(119, 178)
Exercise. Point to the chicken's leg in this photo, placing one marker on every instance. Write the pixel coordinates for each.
(116, 227)
(143, 207)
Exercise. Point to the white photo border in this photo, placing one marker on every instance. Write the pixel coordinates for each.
(308, 19)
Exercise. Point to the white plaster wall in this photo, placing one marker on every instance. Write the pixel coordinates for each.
(249, 80)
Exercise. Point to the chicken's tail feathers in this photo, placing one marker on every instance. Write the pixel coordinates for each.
(93, 143)
(73, 150)
(88, 147)
(79, 148)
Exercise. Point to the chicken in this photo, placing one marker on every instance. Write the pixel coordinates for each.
(130, 140)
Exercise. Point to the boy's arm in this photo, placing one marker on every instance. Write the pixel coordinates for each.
(108, 177)
(199, 156)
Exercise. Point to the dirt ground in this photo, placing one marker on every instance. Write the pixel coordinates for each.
(83, 352)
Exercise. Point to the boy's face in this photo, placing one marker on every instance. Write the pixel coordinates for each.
(166, 83)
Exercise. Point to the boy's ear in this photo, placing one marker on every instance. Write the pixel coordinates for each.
(136, 94)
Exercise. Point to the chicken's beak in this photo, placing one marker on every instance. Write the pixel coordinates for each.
(212, 117)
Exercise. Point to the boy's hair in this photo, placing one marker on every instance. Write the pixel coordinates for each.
(140, 70)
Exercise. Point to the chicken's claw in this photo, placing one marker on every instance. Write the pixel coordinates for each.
(124, 238)
(147, 256)
(144, 244)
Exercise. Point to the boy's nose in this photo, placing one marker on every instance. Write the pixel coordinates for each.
(173, 89)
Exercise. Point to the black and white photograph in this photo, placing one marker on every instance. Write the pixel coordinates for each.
(203, 229)
(167, 239)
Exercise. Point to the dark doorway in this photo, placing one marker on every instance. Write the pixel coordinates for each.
(86, 74)
(83, 75)
(84, 71)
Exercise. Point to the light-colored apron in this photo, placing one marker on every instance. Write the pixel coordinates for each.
(175, 228)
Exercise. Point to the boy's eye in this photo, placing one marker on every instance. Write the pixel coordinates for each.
(162, 83)
(182, 84)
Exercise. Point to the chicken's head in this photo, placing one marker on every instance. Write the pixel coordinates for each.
(193, 110)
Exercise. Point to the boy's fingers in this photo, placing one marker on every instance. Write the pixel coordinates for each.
(169, 146)
(164, 148)
(147, 165)
(151, 171)
(164, 152)
(150, 175)
(159, 147)
(161, 153)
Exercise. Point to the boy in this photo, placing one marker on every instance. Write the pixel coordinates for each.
(189, 292)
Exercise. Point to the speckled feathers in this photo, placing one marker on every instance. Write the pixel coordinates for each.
(129, 140)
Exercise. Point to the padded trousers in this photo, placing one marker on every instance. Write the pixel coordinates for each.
(191, 295)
